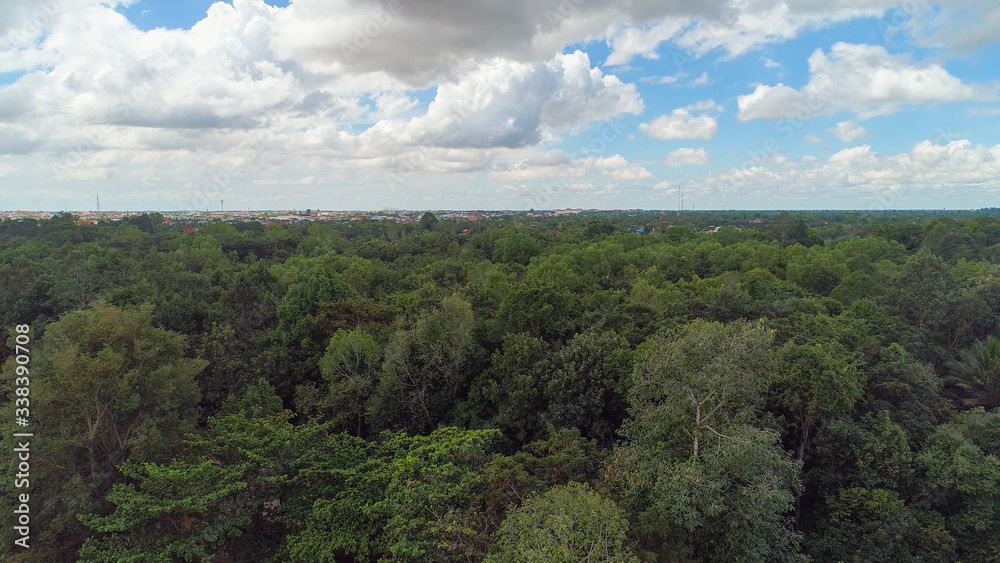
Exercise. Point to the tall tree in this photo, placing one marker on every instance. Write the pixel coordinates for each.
(405, 501)
(510, 391)
(814, 382)
(922, 291)
(298, 313)
(705, 481)
(232, 495)
(875, 525)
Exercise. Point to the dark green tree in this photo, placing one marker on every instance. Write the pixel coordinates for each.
(350, 372)
(233, 493)
(510, 391)
(106, 386)
(585, 385)
(963, 484)
(427, 369)
(405, 502)
(427, 221)
(977, 372)
(788, 230)
(875, 525)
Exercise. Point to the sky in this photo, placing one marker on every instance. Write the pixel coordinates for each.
(483, 104)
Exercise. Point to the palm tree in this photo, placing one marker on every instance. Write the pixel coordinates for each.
(977, 371)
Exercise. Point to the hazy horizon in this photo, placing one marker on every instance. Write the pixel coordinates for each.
(516, 210)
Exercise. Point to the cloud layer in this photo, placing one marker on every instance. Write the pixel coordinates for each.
(364, 96)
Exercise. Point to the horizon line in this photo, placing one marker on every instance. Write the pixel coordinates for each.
(531, 210)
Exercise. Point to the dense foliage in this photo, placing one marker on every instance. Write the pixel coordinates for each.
(788, 387)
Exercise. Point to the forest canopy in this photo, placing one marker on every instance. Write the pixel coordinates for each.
(619, 387)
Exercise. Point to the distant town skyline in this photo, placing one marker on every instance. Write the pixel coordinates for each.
(545, 104)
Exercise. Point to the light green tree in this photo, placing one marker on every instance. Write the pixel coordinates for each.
(567, 524)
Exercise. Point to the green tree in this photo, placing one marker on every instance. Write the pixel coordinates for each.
(510, 391)
(921, 292)
(706, 482)
(818, 272)
(814, 382)
(963, 484)
(875, 525)
(233, 493)
(426, 369)
(176, 516)
(106, 386)
(237, 344)
(873, 453)
(299, 311)
(585, 385)
(788, 230)
(406, 501)
(977, 372)
(249, 304)
(427, 221)
(596, 228)
(563, 457)
(350, 369)
(897, 383)
(544, 312)
(567, 524)
(516, 248)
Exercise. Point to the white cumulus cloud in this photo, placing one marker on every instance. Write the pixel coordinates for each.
(504, 103)
(687, 156)
(631, 172)
(864, 79)
(683, 123)
(847, 131)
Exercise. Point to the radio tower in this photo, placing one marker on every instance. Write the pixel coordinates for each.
(98, 203)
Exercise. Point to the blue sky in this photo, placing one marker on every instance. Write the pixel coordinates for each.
(356, 104)
(169, 14)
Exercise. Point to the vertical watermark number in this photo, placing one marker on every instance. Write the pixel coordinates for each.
(22, 438)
